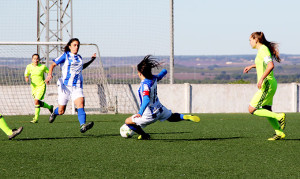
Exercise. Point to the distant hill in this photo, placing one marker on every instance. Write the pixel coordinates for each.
(201, 60)
(181, 60)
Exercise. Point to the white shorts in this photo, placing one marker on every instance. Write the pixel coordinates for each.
(65, 92)
(148, 118)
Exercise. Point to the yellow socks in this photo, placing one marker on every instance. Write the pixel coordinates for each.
(37, 112)
(4, 126)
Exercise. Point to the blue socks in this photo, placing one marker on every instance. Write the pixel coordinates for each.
(56, 111)
(136, 129)
(81, 116)
(181, 116)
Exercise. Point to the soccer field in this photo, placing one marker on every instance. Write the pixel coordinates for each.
(219, 146)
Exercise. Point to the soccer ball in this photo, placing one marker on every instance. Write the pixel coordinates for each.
(126, 132)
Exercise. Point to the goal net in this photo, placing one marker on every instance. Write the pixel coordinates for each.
(15, 93)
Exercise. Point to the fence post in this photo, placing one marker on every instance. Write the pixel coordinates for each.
(295, 90)
(187, 88)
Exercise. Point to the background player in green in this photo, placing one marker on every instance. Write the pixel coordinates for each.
(11, 133)
(261, 103)
(36, 72)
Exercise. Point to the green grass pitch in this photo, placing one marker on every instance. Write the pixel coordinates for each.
(219, 146)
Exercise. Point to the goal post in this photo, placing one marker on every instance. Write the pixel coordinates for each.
(15, 93)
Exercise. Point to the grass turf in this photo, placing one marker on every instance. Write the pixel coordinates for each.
(220, 146)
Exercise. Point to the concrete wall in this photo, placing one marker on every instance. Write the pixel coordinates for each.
(182, 98)
(222, 98)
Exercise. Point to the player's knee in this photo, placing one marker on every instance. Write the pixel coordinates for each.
(61, 111)
(251, 109)
(36, 102)
(128, 121)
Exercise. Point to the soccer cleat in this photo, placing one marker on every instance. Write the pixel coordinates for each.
(191, 118)
(144, 137)
(15, 133)
(52, 117)
(277, 137)
(282, 121)
(34, 121)
(51, 109)
(86, 127)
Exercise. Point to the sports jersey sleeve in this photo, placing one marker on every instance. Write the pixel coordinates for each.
(46, 70)
(161, 74)
(145, 100)
(60, 59)
(266, 55)
(27, 71)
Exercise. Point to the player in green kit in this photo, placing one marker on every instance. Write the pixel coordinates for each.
(38, 86)
(261, 103)
(11, 133)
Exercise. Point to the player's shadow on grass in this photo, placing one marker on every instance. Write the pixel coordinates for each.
(291, 139)
(170, 133)
(199, 139)
(70, 137)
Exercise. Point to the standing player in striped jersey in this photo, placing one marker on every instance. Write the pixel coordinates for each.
(38, 86)
(151, 109)
(261, 103)
(71, 82)
(11, 133)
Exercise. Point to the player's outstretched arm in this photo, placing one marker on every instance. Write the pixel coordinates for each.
(162, 73)
(89, 62)
(50, 75)
(248, 68)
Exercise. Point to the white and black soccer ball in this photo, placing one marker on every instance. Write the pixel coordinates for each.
(126, 132)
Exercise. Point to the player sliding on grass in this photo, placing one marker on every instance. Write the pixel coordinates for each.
(151, 109)
(71, 82)
(36, 72)
(11, 133)
(261, 103)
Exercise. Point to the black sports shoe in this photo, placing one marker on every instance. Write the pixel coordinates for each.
(86, 127)
(144, 137)
(15, 133)
(52, 117)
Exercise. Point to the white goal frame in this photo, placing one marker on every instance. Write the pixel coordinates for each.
(109, 101)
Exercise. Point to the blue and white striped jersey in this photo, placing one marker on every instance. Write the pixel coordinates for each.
(71, 66)
(148, 87)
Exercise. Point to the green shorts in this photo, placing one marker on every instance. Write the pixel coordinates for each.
(264, 96)
(38, 92)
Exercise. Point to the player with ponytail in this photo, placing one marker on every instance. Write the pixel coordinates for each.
(151, 110)
(261, 103)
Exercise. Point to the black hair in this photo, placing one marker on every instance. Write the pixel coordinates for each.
(35, 55)
(146, 65)
(67, 49)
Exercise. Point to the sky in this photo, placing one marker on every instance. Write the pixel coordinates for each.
(139, 27)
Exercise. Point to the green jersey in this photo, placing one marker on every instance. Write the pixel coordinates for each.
(36, 74)
(262, 59)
